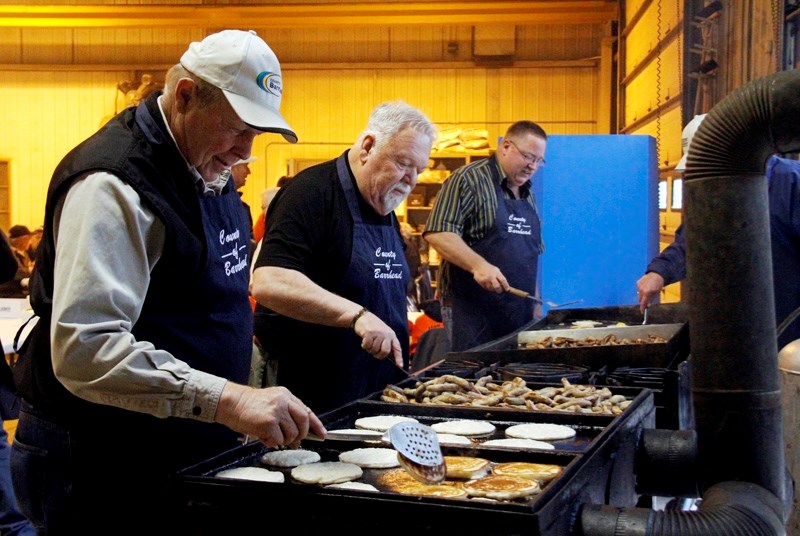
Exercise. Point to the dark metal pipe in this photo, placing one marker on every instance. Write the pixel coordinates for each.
(729, 508)
(735, 377)
(729, 289)
(666, 463)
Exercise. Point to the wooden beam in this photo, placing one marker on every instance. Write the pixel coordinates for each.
(319, 15)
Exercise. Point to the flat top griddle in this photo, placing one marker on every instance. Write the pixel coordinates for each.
(212, 502)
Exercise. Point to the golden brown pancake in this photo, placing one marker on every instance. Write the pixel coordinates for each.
(540, 472)
(399, 481)
(502, 487)
(466, 466)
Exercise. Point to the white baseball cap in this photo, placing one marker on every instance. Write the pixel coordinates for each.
(686, 139)
(243, 66)
(246, 160)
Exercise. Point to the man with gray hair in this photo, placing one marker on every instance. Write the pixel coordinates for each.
(139, 361)
(331, 274)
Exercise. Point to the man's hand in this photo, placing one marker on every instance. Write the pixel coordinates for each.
(649, 285)
(274, 415)
(378, 339)
(490, 278)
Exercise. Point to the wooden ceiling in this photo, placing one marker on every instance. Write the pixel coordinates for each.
(310, 15)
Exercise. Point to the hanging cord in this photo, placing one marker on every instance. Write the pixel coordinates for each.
(680, 45)
(777, 31)
(660, 45)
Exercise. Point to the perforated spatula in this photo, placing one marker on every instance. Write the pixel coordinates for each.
(417, 447)
(418, 451)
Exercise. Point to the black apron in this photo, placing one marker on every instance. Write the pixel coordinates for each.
(337, 370)
(376, 278)
(513, 245)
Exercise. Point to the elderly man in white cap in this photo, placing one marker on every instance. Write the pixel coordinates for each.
(139, 361)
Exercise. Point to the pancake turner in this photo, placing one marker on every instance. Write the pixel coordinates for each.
(418, 451)
(417, 446)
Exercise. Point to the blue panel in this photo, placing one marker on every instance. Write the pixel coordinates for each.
(598, 196)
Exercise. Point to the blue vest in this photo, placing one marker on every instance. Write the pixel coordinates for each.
(197, 304)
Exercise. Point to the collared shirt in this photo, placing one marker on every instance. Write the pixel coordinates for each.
(466, 206)
(153, 380)
(204, 188)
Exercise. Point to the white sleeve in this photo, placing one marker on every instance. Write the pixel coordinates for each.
(107, 243)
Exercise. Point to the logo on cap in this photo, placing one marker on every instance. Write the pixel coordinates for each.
(269, 82)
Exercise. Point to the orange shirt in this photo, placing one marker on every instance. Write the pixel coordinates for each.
(422, 324)
(258, 227)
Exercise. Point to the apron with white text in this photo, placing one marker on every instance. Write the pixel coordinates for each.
(376, 278)
(512, 244)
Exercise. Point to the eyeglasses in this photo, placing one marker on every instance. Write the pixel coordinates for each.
(529, 158)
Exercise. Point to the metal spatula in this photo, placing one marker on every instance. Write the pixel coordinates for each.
(522, 294)
(418, 451)
(417, 448)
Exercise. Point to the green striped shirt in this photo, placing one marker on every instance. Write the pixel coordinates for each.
(466, 206)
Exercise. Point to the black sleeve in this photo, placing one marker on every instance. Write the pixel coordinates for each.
(307, 227)
(671, 263)
(8, 261)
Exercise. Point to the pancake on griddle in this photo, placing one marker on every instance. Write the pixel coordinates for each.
(518, 444)
(360, 486)
(468, 467)
(371, 458)
(251, 473)
(540, 431)
(399, 481)
(502, 487)
(289, 457)
(453, 439)
(464, 427)
(369, 435)
(381, 423)
(326, 472)
(540, 472)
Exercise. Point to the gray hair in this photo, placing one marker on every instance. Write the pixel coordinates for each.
(390, 118)
(207, 93)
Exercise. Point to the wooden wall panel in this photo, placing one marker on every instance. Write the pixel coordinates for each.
(559, 42)
(47, 46)
(11, 45)
(644, 37)
(654, 85)
(48, 113)
(333, 79)
(101, 46)
(45, 115)
(748, 39)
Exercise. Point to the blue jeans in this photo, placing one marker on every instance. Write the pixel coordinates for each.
(12, 522)
(102, 480)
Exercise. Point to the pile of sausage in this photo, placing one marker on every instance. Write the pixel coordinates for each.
(486, 391)
(609, 340)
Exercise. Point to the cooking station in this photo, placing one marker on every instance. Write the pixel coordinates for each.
(661, 367)
(733, 455)
(598, 463)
